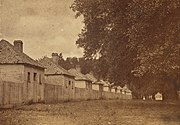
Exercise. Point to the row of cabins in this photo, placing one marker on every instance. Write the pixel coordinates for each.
(24, 80)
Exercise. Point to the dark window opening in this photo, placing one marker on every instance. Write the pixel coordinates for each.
(69, 83)
(29, 77)
(35, 76)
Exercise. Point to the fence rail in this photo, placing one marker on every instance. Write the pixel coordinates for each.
(10, 93)
(16, 93)
(57, 93)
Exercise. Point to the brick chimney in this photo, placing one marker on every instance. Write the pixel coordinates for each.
(78, 68)
(18, 45)
(55, 58)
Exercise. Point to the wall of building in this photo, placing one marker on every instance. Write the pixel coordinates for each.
(22, 79)
(119, 91)
(113, 90)
(95, 86)
(69, 84)
(106, 89)
(33, 88)
(83, 84)
(80, 84)
(89, 85)
(55, 79)
(12, 73)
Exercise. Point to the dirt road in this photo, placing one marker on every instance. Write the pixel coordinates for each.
(98, 112)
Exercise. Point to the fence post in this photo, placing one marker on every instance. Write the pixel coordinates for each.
(3, 93)
(9, 87)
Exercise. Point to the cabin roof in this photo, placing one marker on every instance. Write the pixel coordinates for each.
(52, 68)
(78, 75)
(9, 55)
(91, 77)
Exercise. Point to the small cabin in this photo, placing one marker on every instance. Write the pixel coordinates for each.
(114, 89)
(22, 73)
(55, 74)
(158, 96)
(106, 86)
(96, 85)
(119, 89)
(126, 90)
(81, 81)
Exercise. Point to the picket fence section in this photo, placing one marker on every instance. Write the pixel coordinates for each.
(57, 93)
(10, 93)
(15, 93)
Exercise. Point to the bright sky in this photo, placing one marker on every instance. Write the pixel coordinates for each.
(44, 26)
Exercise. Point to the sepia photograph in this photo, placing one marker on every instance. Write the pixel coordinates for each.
(89, 62)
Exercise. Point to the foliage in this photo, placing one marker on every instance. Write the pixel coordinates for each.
(86, 65)
(134, 37)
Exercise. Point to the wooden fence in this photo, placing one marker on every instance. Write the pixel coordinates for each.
(57, 93)
(10, 93)
(16, 93)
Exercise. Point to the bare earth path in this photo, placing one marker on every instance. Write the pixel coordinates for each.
(98, 112)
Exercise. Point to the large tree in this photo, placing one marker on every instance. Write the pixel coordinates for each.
(134, 37)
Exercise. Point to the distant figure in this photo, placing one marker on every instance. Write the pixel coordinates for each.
(158, 96)
(144, 98)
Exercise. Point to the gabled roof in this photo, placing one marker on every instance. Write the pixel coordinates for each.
(125, 88)
(91, 77)
(9, 55)
(94, 80)
(104, 83)
(100, 83)
(78, 75)
(119, 87)
(114, 87)
(52, 68)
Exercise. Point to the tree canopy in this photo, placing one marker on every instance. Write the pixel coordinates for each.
(132, 37)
